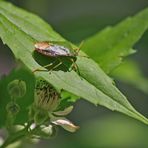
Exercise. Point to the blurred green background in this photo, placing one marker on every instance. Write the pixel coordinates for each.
(77, 20)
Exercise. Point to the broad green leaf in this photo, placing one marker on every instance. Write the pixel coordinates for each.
(23, 102)
(110, 45)
(129, 72)
(20, 30)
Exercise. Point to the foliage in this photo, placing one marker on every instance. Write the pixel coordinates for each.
(23, 101)
(113, 43)
(129, 72)
(20, 30)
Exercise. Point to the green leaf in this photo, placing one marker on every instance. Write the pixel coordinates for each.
(20, 30)
(129, 72)
(110, 45)
(23, 101)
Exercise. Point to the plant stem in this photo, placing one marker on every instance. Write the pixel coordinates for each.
(15, 137)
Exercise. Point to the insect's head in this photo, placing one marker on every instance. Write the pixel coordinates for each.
(76, 52)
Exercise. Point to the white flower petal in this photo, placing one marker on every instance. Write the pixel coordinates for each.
(65, 112)
(66, 124)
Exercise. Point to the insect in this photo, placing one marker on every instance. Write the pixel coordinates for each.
(57, 51)
(54, 50)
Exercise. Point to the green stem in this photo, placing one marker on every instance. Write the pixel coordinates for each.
(15, 137)
(19, 135)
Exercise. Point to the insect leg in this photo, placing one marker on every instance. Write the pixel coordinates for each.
(46, 66)
(56, 66)
(75, 66)
(63, 63)
(85, 56)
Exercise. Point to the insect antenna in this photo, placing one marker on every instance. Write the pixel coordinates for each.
(79, 48)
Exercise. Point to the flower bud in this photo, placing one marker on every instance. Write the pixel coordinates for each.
(12, 108)
(17, 88)
(46, 97)
(40, 117)
(46, 132)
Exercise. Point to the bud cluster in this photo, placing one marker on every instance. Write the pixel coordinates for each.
(45, 111)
